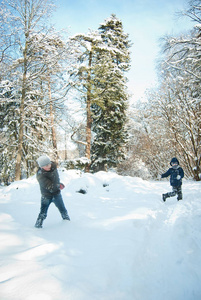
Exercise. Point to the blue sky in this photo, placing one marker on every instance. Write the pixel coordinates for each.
(146, 21)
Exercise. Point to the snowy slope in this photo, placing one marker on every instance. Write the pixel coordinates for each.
(122, 243)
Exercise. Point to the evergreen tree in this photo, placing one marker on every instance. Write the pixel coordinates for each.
(102, 58)
(109, 108)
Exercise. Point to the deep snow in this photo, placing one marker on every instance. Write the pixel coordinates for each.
(122, 243)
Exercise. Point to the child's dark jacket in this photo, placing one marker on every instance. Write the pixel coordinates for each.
(173, 173)
(49, 181)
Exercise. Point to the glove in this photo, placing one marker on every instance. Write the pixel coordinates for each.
(62, 186)
(178, 177)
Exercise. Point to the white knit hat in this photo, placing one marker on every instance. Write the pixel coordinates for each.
(43, 160)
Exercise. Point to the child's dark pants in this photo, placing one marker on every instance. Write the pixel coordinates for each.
(176, 190)
(45, 203)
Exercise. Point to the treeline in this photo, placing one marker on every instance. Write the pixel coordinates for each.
(40, 70)
(44, 71)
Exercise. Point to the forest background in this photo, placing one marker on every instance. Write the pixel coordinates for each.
(57, 90)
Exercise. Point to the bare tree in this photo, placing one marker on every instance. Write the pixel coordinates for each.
(27, 17)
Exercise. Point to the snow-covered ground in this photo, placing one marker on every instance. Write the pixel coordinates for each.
(122, 243)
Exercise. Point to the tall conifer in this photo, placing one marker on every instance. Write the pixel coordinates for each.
(109, 109)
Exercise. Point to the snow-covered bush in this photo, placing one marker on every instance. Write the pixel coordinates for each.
(134, 168)
(78, 163)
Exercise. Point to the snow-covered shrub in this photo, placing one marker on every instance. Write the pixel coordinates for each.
(78, 163)
(134, 168)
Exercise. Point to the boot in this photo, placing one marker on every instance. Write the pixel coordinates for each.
(179, 197)
(164, 196)
(39, 223)
(65, 216)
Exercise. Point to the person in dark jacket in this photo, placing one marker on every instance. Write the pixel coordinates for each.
(50, 187)
(176, 174)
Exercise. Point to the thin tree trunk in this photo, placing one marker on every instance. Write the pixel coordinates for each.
(21, 124)
(20, 139)
(65, 154)
(89, 120)
(54, 139)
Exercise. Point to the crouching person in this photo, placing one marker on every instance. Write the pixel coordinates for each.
(50, 187)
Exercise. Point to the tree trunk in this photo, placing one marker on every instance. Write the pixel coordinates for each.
(20, 140)
(54, 139)
(88, 127)
(21, 124)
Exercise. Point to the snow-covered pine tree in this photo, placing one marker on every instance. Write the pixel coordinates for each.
(8, 121)
(109, 108)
